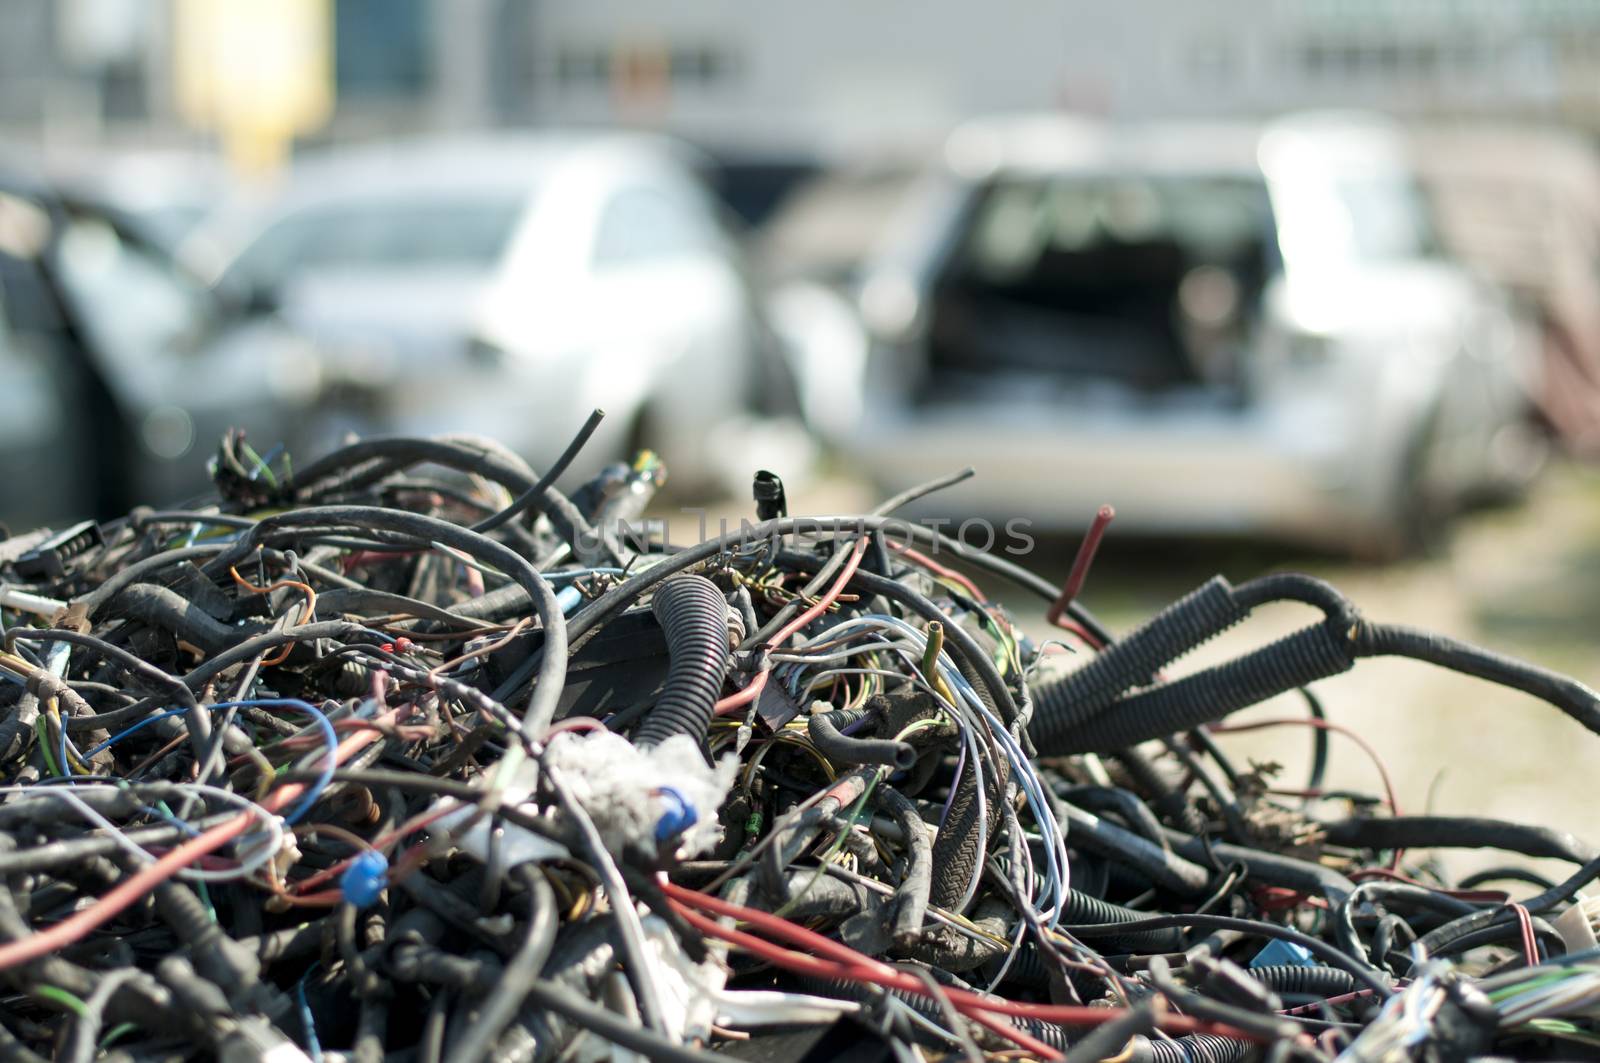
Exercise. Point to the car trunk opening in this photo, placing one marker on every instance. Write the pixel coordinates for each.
(1150, 282)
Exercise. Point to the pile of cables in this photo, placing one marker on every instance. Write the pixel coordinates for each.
(408, 754)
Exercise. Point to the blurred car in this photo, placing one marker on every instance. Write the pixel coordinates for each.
(1522, 205)
(811, 252)
(504, 285)
(1219, 329)
(165, 192)
(118, 370)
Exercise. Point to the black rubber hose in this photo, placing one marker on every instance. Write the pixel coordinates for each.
(1504, 874)
(1135, 814)
(1458, 832)
(1084, 910)
(1295, 980)
(1269, 868)
(520, 974)
(1395, 894)
(1062, 705)
(847, 749)
(1294, 587)
(1437, 939)
(1293, 661)
(178, 616)
(1567, 694)
(1506, 933)
(694, 617)
(1163, 867)
(911, 896)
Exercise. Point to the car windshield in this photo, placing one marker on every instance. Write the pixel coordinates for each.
(1146, 279)
(386, 235)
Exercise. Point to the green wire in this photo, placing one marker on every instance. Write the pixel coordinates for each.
(1537, 982)
(1562, 1028)
(266, 471)
(44, 746)
(200, 886)
(62, 997)
(838, 842)
(205, 898)
(117, 1031)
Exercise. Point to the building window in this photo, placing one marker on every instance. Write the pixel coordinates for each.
(381, 48)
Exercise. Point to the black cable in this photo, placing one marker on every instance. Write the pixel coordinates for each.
(552, 671)
(1457, 832)
(1505, 874)
(520, 973)
(1321, 949)
(534, 497)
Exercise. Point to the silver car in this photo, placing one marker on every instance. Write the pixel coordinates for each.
(119, 372)
(506, 284)
(1217, 329)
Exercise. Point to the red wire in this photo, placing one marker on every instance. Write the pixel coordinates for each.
(1080, 564)
(78, 925)
(854, 966)
(748, 694)
(1476, 896)
(1530, 943)
(942, 571)
(875, 974)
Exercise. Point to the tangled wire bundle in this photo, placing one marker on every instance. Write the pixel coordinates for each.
(410, 755)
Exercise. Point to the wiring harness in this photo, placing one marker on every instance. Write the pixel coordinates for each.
(407, 754)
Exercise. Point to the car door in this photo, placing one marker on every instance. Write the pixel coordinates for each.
(668, 308)
(179, 364)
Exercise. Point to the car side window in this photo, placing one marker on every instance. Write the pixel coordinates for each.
(651, 224)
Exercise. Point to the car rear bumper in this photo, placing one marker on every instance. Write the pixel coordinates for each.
(1298, 475)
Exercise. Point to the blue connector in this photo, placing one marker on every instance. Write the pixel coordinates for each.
(1284, 954)
(677, 814)
(365, 878)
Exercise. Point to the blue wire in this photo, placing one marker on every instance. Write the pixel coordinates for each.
(147, 721)
(61, 725)
(315, 791)
(266, 461)
(308, 1020)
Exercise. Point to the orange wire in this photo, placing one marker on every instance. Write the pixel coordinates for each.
(307, 611)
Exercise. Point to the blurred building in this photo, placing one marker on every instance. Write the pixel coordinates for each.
(776, 77)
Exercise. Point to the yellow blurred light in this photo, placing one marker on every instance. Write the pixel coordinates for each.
(257, 72)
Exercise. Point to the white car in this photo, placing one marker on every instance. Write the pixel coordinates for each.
(1219, 330)
(506, 285)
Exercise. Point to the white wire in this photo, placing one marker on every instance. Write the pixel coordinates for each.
(247, 866)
